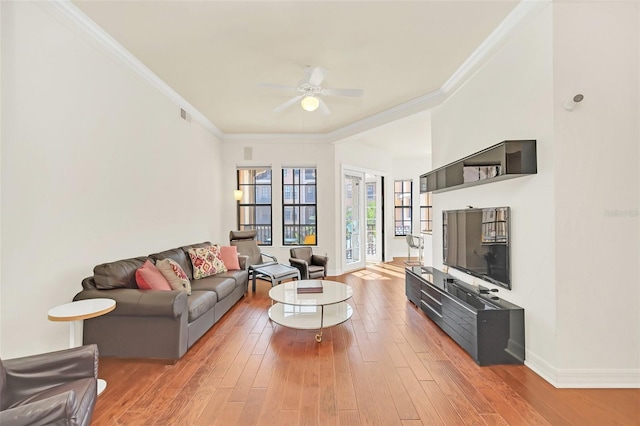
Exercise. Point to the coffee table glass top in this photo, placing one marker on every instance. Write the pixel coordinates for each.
(332, 292)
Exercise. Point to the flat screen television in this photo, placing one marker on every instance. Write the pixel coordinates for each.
(476, 241)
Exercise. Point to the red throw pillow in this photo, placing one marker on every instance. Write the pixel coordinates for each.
(149, 277)
(229, 256)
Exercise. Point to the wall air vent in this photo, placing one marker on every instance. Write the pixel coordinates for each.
(248, 153)
(185, 115)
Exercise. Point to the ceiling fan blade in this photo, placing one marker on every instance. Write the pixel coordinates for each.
(278, 86)
(323, 107)
(287, 104)
(354, 93)
(317, 75)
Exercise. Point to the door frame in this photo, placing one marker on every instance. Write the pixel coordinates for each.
(359, 171)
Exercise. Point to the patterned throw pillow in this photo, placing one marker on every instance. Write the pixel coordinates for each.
(176, 276)
(206, 261)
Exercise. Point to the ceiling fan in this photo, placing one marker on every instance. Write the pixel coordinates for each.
(310, 92)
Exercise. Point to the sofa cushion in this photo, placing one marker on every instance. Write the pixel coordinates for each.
(174, 274)
(119, 274)
(199, 303)
(229, 255)
(149, 277)
(222, 286)
(177, 255)
(206, 261)
(241, 277)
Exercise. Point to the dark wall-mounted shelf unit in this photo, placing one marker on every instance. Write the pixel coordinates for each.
(506, 160)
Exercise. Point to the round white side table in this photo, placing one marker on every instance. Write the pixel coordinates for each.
(75, 312)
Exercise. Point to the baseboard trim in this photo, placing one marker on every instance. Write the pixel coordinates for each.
(608, 378)
(599, 378)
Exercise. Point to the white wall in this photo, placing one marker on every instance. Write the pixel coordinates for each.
(278, 154)
(597, 191)
(482, 113)
(96, 166)
(1, 137)
(573, 267)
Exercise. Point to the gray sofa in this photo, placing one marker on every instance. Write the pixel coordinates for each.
(157, 323)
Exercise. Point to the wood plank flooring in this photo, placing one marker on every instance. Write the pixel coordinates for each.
(388, 365)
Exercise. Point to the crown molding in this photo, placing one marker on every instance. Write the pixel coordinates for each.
(406, 109)
(523, 11)
(76, 16)
(520, 13)
(279, 137)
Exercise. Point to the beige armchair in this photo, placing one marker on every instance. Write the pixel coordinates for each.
(310, 265)
(55, 388)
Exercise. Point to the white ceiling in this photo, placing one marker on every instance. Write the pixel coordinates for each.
(216, 53)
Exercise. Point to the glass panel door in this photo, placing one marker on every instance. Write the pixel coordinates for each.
(355, 233)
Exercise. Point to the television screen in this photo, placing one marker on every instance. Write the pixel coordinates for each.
(476, 241)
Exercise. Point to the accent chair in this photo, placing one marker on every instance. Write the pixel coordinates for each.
(311, 266)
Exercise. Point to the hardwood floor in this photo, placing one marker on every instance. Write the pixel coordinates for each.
(388, 365)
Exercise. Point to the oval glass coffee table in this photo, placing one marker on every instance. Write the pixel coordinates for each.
(309, 311)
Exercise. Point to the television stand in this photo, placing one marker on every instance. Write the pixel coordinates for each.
(488, 328)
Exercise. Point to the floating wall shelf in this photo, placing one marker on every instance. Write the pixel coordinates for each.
(506, 160)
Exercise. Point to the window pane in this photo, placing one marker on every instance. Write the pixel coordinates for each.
(299, 206)
(254, 208)
(309, 176)
(263, 194)
(290, 215)
(287, 194)
(308, 215)
(309, 195)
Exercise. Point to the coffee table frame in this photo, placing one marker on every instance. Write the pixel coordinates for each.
(300, 311)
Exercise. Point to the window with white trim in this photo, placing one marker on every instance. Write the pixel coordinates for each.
(299, 208)
(402, 202)
(254, 209)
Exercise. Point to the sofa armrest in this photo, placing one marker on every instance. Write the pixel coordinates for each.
(57, 409)
(141, 303)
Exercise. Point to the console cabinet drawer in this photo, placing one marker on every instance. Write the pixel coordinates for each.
(432, 293)
(433, 313)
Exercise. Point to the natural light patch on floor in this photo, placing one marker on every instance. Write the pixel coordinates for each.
(386, 269)
(367, 274)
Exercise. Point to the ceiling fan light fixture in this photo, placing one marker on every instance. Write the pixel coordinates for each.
(310, 103)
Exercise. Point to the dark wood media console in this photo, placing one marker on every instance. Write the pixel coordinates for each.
(489, 328)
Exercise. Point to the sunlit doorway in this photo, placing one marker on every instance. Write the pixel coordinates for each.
(354, 223)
